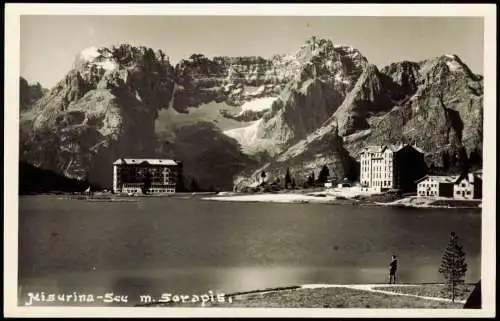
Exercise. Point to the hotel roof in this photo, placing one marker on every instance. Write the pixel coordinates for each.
(439, 179)
(394, 148)
(151, 161)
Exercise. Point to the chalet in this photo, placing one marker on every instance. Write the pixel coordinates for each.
(433, 185)
(468, 186)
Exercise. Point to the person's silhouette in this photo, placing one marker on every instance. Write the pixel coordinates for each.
(393, 266)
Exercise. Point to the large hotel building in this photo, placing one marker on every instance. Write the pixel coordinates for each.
(130, 175)
(389, 167)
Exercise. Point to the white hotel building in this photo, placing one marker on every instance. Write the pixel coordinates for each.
(129, 175)
(386, 167)
(377, 168)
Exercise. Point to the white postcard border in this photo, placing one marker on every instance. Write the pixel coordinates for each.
(11, 149)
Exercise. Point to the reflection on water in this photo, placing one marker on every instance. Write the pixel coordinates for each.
(192, 246)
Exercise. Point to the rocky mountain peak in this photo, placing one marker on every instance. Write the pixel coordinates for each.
(94, 55)
(368, 98)
(104, 107)
(315, 106)
(326, 48)
(405, 77)
(444, 65)
(331, 62)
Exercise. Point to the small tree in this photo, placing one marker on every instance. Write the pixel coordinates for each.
(194, 185)
(446, 160)
(288, 178)
(323, 174)
(146, 182)
(475, 158)
(262, 176)
(180, 185)
(453, 266)
(310, 180)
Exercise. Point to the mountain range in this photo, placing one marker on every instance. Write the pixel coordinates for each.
(231, 118)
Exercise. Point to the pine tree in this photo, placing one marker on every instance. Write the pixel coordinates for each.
(475, 157)
(323, 174)
(288, 178)
(180, 185)
(446, 160)
(453, 266)
(194, 185)
(146, 182)
(309, 182)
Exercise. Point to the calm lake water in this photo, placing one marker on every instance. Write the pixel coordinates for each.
(191, 246)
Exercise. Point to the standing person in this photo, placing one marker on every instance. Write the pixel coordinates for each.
(393, 266)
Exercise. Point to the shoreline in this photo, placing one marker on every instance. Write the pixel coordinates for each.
(326, 197)
(357, 200)
(376, 289)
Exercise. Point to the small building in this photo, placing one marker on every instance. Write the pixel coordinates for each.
(330, 182)
(433, 185)
(468, 186)
(344, 184)
(154, 176)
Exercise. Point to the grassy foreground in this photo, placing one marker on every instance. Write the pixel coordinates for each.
(336, 297)
(432, 290)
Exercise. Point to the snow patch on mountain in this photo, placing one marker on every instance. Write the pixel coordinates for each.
(107, 65)
(169, 120)
(453, 65)
(250, 138)
(259, 104)
(99, 58)
(89, 54)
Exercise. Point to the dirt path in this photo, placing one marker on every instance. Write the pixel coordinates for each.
(371, 288)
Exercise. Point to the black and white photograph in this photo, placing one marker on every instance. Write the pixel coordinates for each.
(218, 159)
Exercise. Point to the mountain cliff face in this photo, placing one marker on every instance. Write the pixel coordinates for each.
(323, 75)
(230, 118)
(103, 109)
(438, 105)
(435, 104)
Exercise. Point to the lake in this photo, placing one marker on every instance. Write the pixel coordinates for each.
(191, 246)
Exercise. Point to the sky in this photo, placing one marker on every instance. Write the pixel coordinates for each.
(49, 44)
